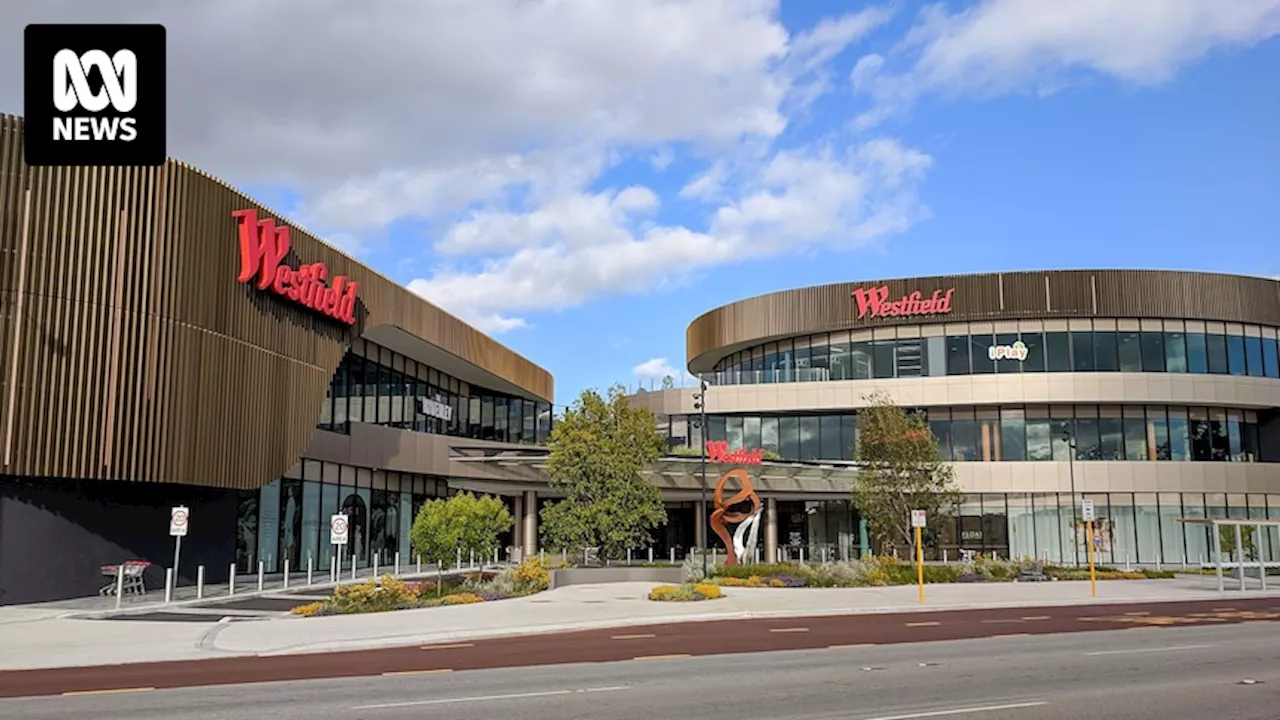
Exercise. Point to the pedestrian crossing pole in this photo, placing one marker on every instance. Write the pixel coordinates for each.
(917, 523)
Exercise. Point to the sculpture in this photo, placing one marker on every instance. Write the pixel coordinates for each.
(749, 521)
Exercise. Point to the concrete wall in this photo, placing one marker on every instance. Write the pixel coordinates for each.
(589, 576)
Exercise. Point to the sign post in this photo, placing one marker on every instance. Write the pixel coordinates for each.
(338, 530)
(179, 520)
(1089, 514)
(918, 522)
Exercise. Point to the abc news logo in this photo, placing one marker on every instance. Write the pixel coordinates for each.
(107, 105)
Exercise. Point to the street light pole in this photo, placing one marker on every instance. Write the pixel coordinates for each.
(700, 404)
(1071, 465)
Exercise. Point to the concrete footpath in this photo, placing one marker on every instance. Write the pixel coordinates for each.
(42, 638)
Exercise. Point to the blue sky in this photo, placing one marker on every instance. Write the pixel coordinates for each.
(583, 178)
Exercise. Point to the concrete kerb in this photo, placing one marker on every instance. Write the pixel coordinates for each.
(392, 641)
(161, 606)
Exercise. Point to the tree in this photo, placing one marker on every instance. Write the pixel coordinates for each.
(462, 522)
(598, 450)
(901, 470)
(668, 382)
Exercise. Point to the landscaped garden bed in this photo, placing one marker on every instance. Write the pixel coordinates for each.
(879, 571)
(688, 592)
(393, 593)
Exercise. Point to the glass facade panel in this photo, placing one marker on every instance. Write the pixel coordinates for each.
(1057, 347)
(1253, 356)
(1217, 349)
(1082, 351)
(979, 356)
(1130, 352)
(1270, 357)
(1153, 355)
(1035, 352)
(958, 355)
(1013, 435)
(1175, 352)
(1235, 355)
(1105, 358)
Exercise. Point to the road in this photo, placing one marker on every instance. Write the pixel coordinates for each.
(1169, 673)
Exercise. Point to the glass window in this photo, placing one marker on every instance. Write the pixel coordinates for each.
(1235, 438)
(1253, 356)
(882, 358)
(716, 431)
(530, 421)
(733, 432)
(810, 438)
(1250, 440)
(1270, 357)
(860, 360)
(785, 363)
(964, 441)
(1152, 352)
(1175, 352)
(1197, 353)
(1007, 365)
(1082, 351)
(909, 358)
(981, 362)
(501, 418)
(848, 433)
(1179, 434)
(801, 364)
(935, 356)
(1104, 351)
(486, 417)
(1061, 432)
(1135, 435)
(789, 437)
(1057, 351)
(771, 368)
(1158, 431)
(958, 355)
(1130, 352)
(1039, 438)
(1087, 439)
(751, 432)
(818, 369)
(1013, 435)
(829, 444)
(941, 430)
(1217, 347)
(769, 434)
(1110, 439)
(1035, 352)
(1218, 432)
(1201, 438)
(838, 360)
(1235, 355)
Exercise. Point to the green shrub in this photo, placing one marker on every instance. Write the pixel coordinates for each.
(687, 592)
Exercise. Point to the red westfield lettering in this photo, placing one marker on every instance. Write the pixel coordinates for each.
(718, 452)
(263, 247)
(875, 302)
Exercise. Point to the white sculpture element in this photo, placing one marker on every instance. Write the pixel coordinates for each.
(752, 525)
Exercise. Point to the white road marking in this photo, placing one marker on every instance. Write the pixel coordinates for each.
(1149, 650)
(483, 698)
(960, 711)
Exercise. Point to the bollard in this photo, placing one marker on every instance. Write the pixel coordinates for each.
(309, 568)
(168, 585)
(628, 556)
(397, 566)
(286, 572)
(757, 555)
(673, 556)
(458, 563)
(1126, 563)
(119, 584)
(650, 554)
(564, 556)
(1184, 560)
(231, 582)
(200, 582)
(333, 569)
(542, 557)
(584, 556)
(419, 563)
(1157, 563)
(262, 567)
(714, 552)
(944, 555)
(353, 566)
(472, 561)
(495, 556)
(375, 564)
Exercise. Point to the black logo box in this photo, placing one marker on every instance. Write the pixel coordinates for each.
(42, 43)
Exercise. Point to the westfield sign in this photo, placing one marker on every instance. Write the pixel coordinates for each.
(718, 452)
(875, 303)
(263, 247)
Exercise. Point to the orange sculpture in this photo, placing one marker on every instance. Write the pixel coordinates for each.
(722, 515)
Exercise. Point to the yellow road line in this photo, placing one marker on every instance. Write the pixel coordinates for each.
(661, 657)
(1038, 617)
(923, 624)
(400, 673)
(114, 691)
(790, 630)
(632, 637)
(852, 645)
(447, 647)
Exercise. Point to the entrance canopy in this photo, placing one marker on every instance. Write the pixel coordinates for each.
(1238, 559)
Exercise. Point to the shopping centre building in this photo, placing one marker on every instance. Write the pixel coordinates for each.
(167, 341)
(1166, 384)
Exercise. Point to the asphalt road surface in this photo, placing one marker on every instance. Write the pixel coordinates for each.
(645, 642)
(1217, 671)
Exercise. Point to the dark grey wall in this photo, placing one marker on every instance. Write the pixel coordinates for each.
(56, 534)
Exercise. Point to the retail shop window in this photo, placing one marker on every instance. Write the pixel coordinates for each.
(769, 434)
(789, 437)
(958, 355)
(1007, 365)
(1035, 352)
(860, 360)
(979, 354)
(882, 352)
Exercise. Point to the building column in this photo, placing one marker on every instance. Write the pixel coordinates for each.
(530, 521)
(770, 530)
(517, 532)
(700, 525)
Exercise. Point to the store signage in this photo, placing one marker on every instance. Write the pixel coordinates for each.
(435, 408)
(875, 303)
(1017, 351)
(718, 452)
(263, 247)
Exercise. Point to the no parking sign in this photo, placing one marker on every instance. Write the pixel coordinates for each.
(338, 529)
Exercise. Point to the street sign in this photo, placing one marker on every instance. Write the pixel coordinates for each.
(338, 529)
(1087, 511)
(917, 519)
(179, 517)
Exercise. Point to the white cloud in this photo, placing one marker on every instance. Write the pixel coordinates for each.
(657, 369)
(998, 46)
